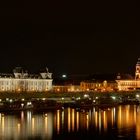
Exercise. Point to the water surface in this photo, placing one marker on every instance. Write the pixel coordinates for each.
(121, 122)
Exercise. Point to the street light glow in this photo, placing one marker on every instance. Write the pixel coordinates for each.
(86, 96)
(113, 97)
(64, 76)
(137, 95)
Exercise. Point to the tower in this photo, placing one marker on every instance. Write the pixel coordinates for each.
(137, 73)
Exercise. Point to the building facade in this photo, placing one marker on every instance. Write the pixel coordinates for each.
(98, 86)
(21, 81)
(130, 84)
(66, 88)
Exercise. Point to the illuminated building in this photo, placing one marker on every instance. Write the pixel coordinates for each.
(98, 86)
(130, 84)
(21, 81)
(66, 88)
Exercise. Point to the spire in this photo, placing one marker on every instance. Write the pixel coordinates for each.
(137, 73)
(47, 69)
(138, 62)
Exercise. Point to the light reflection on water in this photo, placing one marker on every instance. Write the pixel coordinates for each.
(121, 121)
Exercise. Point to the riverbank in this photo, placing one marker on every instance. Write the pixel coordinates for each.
(29, 95)
(52, 101)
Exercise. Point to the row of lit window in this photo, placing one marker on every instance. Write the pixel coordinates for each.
(19, 83)
(128, 84)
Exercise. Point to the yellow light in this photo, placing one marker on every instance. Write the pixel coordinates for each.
(77, 120)
(69, 119)
(58, 121)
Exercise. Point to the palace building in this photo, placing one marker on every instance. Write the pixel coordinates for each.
(21, 81)
(130, 84)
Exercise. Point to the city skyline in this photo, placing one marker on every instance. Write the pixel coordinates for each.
(69, 70)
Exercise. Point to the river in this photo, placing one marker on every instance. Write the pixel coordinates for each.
(120, 122)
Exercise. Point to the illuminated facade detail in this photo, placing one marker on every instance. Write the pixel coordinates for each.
(98, 86)
(21, 81)
(131, 84)
(66, 88)
(137, 73)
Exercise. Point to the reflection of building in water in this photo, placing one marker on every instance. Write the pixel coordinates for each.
(77, 121)
(138, 123)
(38, 125)
(96, 120)
(113, 115)
(126, 116)
(21, 81)
(12, 127)
(73, 119)
(132, 83)
(46, 124)
(28, 125)
(105, 121)
(50, 125)
(58, 121)
(87, 121)
(63, 117)
(69, 119)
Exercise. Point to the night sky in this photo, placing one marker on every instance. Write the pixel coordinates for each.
(73, 37)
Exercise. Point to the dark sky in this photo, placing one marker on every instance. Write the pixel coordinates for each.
(74, 37)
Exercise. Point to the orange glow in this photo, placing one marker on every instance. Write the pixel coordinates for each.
(33, 125)
(19, 127)
(77, 120)
(96, 119)
(105, 121)
(58, 89)
(112, 117)
(138, 126)
(127, 115)
(63, 119)
(22, 116)
(120, 117)
(2, 124)
(46, 124)
(113, 114)
(135, 111)
(58, 121)
(73, 117)
(100, 121)
(69, 125)
(87, 121)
